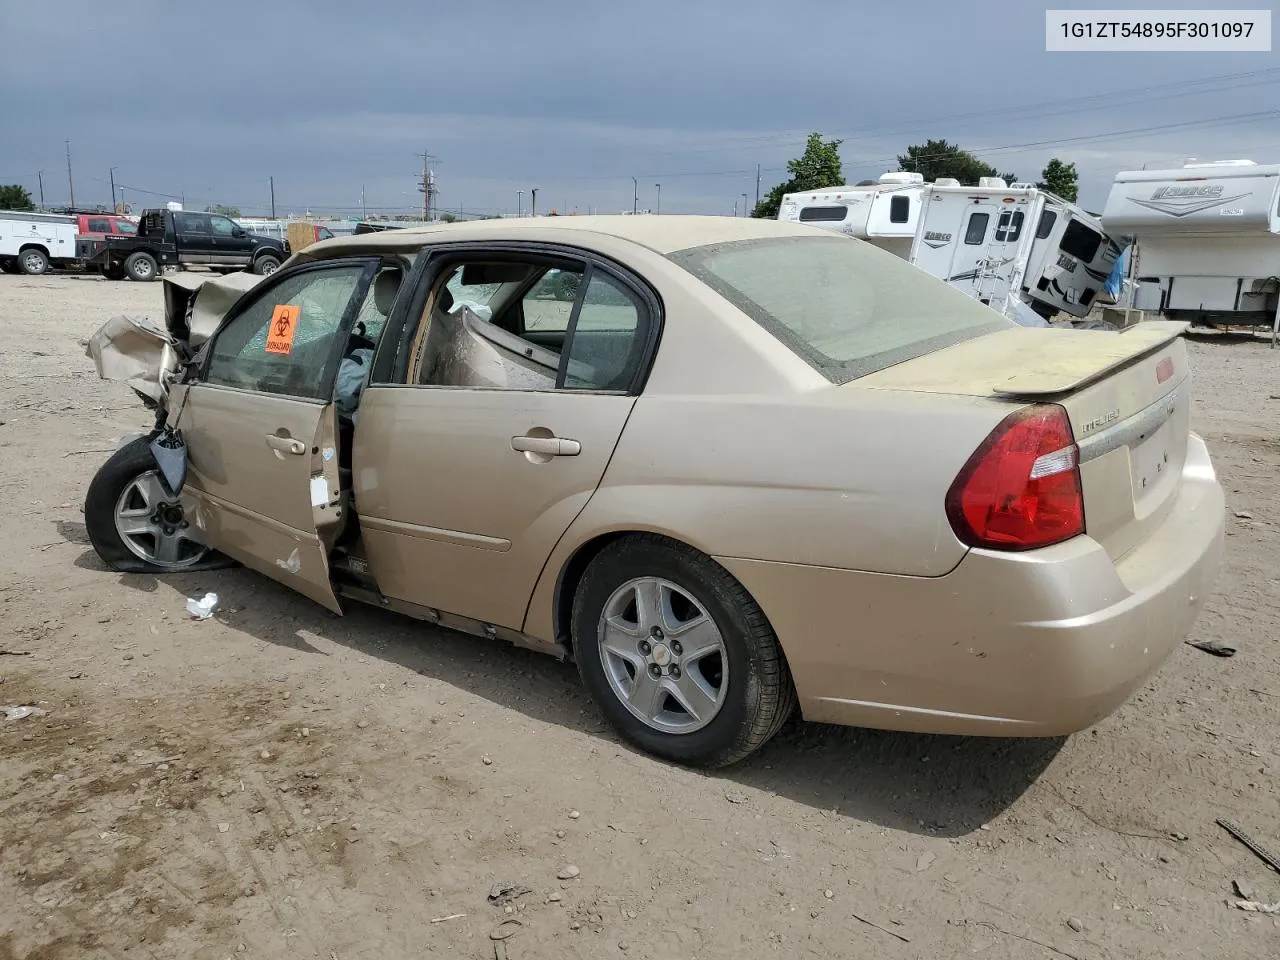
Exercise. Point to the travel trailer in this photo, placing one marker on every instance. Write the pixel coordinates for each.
(883, 212)
(977, 238)
(1207, 240)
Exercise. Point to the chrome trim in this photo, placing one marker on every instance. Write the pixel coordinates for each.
(1128, 433)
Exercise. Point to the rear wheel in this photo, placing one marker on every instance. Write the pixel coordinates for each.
(33, 262)
(141, 267)
(676, 653)
(266, 265)
(113, 273)
(134, 523)
(10, 266)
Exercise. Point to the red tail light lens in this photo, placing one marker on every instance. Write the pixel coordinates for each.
(1021, 488)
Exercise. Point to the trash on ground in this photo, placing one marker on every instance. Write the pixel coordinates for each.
(452, 916)
(21, 712)
(203, 608)
(15, 653)
(1243, 888)
(1253, 906)
(1270, 859)
(1217, 648)
(500, 894)
(735, 796)
(506, 929)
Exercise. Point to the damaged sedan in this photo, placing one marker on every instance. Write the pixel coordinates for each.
(733, 468)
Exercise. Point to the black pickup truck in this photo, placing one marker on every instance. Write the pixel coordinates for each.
(170, 238)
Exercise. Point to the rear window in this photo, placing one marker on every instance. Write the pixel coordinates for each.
(976, 232)
(125, 226)
(1081, 241)
(1045, 227)
(847, 308)
(823, 214)
(899, 209)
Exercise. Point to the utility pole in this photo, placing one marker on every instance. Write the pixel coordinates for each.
(519, 203)
(757, 184)
(534, 210)
(272, 181)
(40, 178)
(112, 174)
(657, 207)
(364, 211)
(71, 184)
(744, 205)
(635, 195)
(428, 187)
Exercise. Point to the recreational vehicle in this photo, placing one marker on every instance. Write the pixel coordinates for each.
(1207, 239)
(883, 212)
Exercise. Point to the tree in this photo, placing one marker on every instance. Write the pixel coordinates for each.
(819, 166)
(223, 210)
(448, 217)
(14, 196)
(937, 158)
(1060, 178)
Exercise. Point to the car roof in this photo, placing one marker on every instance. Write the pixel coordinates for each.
(662, 234)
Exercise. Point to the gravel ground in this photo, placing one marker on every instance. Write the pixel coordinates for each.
(279, 782)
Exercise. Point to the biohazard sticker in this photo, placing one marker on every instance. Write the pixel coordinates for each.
(284, 324)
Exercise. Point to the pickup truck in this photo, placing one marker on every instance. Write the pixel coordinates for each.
(174, 238)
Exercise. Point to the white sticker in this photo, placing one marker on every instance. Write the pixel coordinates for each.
(1053, 272)
(319, 491)
(327, 453)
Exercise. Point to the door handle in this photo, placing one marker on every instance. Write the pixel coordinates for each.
(286, 445)
(547, 446)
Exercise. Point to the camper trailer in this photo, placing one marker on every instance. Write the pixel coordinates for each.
(883, 212)
(1207, 240)
(980, 239)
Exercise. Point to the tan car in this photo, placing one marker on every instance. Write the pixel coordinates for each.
(726, 465)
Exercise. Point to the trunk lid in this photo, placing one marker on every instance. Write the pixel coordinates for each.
(1127, 395)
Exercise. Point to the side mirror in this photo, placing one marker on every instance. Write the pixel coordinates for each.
(239, 233)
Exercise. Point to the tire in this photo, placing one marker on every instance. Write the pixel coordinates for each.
(114, 273)
(141, 267)
(118, 492)
(33, 262)
(10, 266)
(266, 265)
(754, 695)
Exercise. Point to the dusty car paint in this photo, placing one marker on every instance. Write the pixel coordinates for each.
(826, 502)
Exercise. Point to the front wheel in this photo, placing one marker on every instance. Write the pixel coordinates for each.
(680, 658)
(33, 262)
(265, 266)
(134, 523)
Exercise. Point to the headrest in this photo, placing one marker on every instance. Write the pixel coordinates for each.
(385, 288)
(444, 300)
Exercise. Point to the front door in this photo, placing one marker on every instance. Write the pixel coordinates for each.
(195, 242)
(472, 463)
(232, 245)
(261, 429)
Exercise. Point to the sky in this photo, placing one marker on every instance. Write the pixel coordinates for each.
(336, 101)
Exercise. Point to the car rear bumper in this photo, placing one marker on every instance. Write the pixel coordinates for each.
(1042, 643)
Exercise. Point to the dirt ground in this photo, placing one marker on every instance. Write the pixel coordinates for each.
(280, 782)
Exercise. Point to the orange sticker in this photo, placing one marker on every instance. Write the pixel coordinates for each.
(284, 324)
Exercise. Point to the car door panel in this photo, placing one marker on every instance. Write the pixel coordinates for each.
(260, 425)
(452, 514)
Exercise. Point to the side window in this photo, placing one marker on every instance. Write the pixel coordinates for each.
(125, 227)
(98, 225)
(508, 326)
(1009, 226)
(222, 227)
(899, 209)
(607, 339)
(1045, 227)
(282, 342)
(378, 303)
(191, 224)
(976, 232)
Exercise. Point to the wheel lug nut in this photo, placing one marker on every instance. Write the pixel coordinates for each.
(655, 670)
(677, 649)
(644, 647)
(675, 671)
(657, 633)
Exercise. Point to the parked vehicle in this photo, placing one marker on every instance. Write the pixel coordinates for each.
(170, 238)
(1208, 240)
(34, 243)
(92, 228)
(727, 465)
(976, 238)
(279, 229)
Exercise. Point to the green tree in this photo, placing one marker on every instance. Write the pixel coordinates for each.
(223, 209)
(14, 196)
(819, 166)
(938, 158)
(1060, 178)
(448, 217)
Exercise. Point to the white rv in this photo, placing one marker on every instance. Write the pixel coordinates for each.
(34, 242)
(1208, 239)
(883, 212)
(977, 238)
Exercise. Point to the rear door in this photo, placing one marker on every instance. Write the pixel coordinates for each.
(260, 424)
(195, 240)
(521, 372)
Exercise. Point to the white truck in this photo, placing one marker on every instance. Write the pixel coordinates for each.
(33, 243)
(1207, 240)
(980, 239)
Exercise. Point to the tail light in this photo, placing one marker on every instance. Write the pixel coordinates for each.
(1021, 488)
